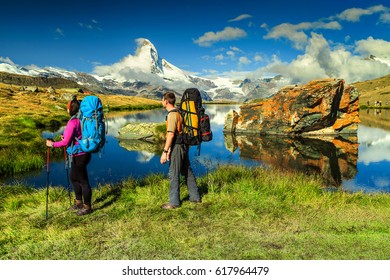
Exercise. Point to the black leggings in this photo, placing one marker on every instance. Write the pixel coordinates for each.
(79, 178)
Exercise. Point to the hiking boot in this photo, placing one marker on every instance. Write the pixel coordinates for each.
(78, 205)
(85, 210)
(168, 206)
(196, 201)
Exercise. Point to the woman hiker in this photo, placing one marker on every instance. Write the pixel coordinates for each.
(80, 160)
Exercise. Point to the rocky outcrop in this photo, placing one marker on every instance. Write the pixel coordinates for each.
(146, 138)
(226, 94)
(51, 90)
(150, 132)
(323, 107)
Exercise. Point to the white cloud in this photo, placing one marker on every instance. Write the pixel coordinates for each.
(333, 25)
(235, 75)
(384, 18)
(93, 25)
(321, 61)
(354, 14)
(235, 49)
(374, 145)
(290, 32)
(294, 32)
(144, 156)
(377, 47)
(243, 60)
(210, 71)
(240, 17)
(59, 32)
(219, 57)
(258, 58)
(228, 34)
(231, 54)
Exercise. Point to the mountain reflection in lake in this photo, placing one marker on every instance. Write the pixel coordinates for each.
(353, 164)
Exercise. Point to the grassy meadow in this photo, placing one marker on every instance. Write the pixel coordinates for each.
(246, 213)
(374, 90)
(24, 115)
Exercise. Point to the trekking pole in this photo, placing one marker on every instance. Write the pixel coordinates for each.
(47, 180)
(66, 159)
(105, 118)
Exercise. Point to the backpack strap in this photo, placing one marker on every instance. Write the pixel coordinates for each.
(173, 110)
(179, 130)
(71, 151)
(178, 112)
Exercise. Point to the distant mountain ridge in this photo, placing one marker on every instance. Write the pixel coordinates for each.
(39, 81)
(146, 74)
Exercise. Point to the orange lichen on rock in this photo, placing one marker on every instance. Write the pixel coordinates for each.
(325, 106)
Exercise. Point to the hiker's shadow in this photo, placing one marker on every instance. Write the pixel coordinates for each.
(107, 197)
(203, 190)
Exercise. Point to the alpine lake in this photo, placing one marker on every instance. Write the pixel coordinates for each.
(357, 163)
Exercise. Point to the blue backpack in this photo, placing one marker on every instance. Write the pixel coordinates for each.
(93, 128)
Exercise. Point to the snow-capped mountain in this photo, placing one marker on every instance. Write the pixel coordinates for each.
(146, 66)
(36, 71)
(147, 74)
(383, 60)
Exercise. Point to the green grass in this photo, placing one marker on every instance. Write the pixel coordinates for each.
(246, 213)
(22, 146)
(24, 116)
(134, 107)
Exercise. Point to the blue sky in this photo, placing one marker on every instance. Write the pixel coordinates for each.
(204, 37)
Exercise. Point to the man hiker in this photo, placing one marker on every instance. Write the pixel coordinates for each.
(176, 153)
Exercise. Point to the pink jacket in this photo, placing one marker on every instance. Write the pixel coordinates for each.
(72, 131)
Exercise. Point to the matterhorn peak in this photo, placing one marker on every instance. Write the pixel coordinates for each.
(144, 45)
(147, 53)
(144, 61)
(144, 42)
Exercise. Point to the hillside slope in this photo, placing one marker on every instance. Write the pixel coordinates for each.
(374, 90)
